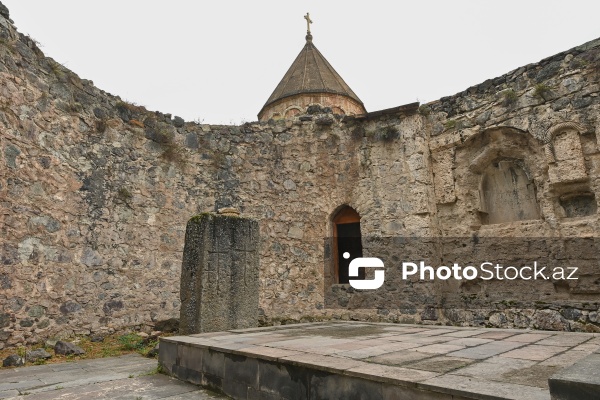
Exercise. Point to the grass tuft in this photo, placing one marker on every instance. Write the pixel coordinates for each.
(131, 341)
(424, 110)
(174, 154)
(157, 370)
(450, 124)
(509, 98)
(137, 123)
(112, 346)
(541, 91)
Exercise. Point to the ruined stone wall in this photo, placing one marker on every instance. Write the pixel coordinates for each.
(514, 157)
(95, 192)
(541, 122)
(546, 113)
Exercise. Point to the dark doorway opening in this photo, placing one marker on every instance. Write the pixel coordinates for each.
(347, 242)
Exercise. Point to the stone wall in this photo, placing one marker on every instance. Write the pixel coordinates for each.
(95, 192)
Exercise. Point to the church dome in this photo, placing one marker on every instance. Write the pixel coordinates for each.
(311, 80)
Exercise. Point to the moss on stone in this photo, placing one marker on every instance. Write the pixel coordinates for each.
(198, 217)
(450, 124)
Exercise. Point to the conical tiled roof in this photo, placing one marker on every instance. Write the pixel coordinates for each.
(310, 73)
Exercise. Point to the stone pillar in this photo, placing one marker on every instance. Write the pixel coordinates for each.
(219, 275)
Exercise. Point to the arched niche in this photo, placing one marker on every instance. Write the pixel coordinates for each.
(507, 193)
(347, 238)
(495, 164)
(338, 110)
(293, 111)
(564, 153)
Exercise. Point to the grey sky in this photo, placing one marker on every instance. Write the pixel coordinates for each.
(218, 61)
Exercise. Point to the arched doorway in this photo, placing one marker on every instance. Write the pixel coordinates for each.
(347, 243)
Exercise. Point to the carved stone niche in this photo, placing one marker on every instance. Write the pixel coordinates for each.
(503, 164)
(578, 204)
(572, 200)
(507, 193)
(564, 153)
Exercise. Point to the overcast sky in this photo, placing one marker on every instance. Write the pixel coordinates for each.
(218, 61)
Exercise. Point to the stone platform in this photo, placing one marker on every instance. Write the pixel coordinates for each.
(356, 360)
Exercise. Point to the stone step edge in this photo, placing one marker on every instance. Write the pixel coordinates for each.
(580, 381)
(244, 350)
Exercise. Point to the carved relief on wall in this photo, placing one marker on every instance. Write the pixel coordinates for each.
(499, 170)
(562, 147)
(443, 175)
(507, 193)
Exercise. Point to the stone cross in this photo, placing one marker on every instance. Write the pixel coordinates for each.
(308, 22)
(219, 274)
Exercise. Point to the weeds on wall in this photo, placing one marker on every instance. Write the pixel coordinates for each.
(129, 109)
(136, 123)
(509, 98)
(450, 124)
(424, 110)
(127, 105)
(9, 44)
(71, 107)
(35, 41)
(174, 154)
(542, 91)
(389, 133)
(162, 136)
(56, 68)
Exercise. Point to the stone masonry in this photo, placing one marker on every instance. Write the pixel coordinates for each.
(95, 192)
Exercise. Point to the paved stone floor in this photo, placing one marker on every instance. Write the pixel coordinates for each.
(126, 377)
(500, 363)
